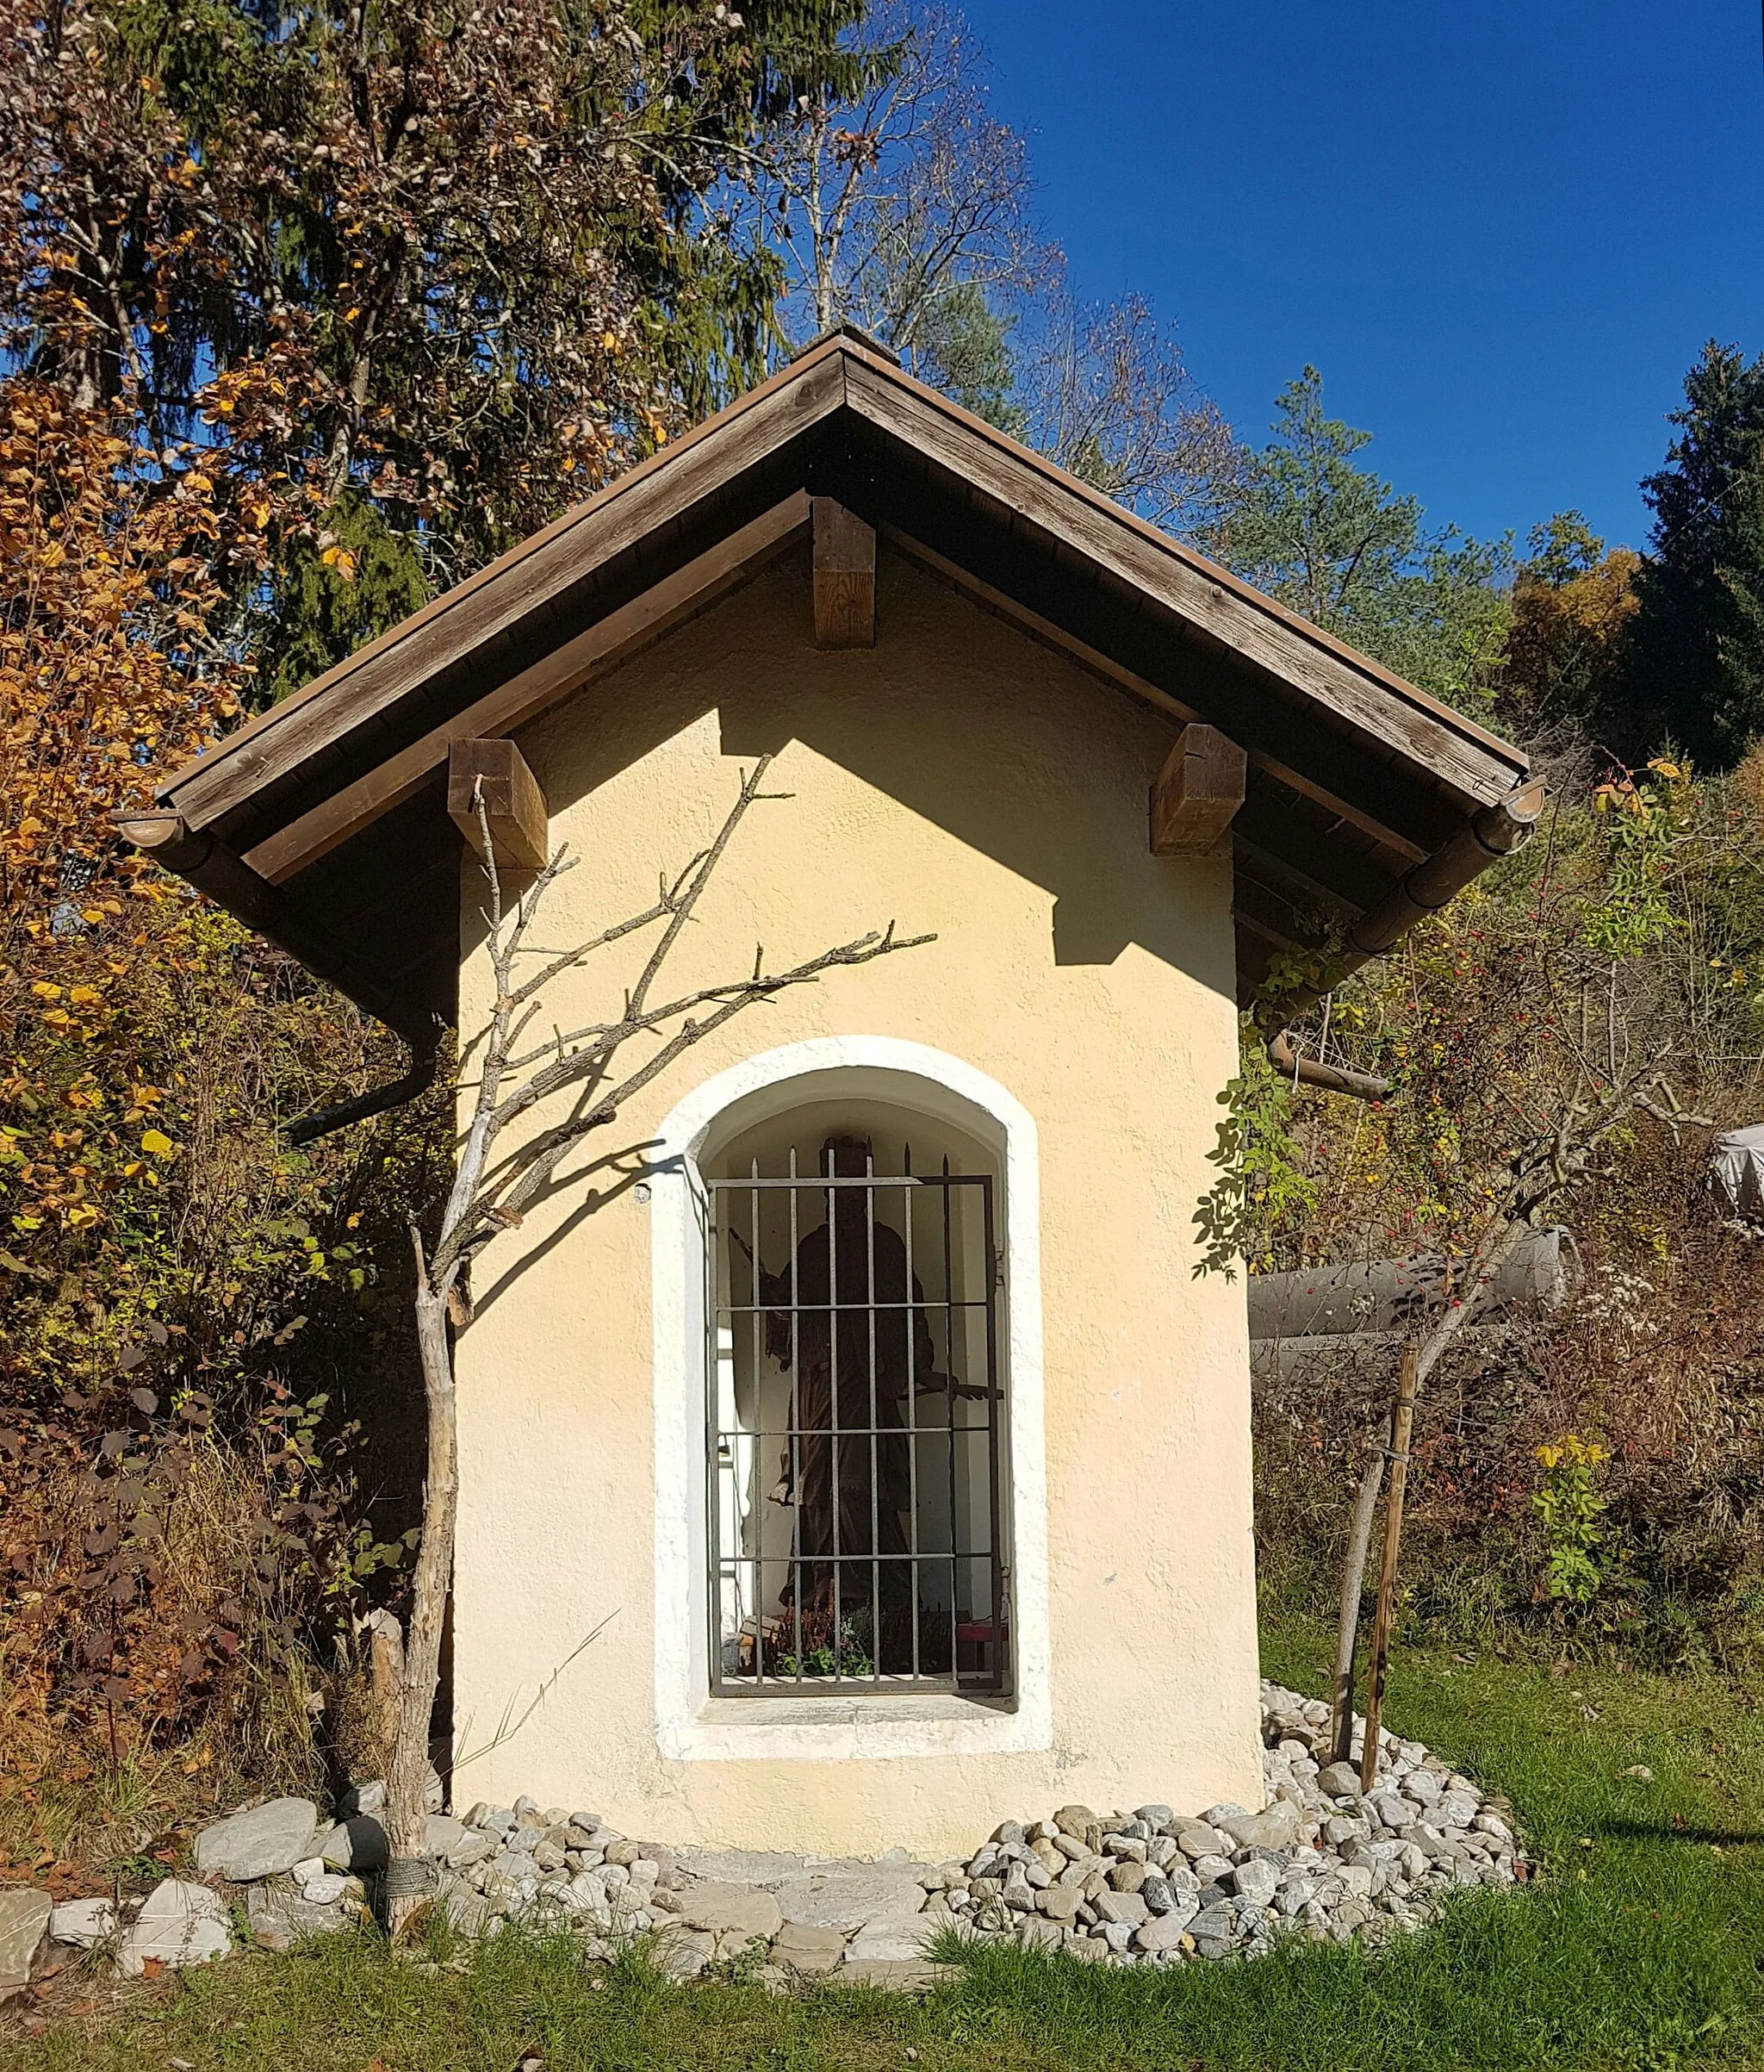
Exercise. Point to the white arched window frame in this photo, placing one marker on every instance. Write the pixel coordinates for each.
(691, 1724)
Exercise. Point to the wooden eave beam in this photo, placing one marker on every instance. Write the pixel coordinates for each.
(844, 576)
(490, 789)
(606, 644)
(1197, 793)
(1278, 823)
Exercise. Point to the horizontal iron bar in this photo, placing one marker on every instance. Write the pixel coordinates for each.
(845, 1308)
(851, 1431)
(814, 1183)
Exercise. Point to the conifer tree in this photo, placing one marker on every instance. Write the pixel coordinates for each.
(455, 265)
(1697, 663)
(1329, 538)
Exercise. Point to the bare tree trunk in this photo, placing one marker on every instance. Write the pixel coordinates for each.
(1353, 1583)
(477, 1209)
(386, 1662)
(410, 1876)
(1402, 1425)
(1499, 1237)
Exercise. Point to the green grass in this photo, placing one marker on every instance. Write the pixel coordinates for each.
(1642, 1947)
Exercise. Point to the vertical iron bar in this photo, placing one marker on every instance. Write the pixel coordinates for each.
(712, 1480)
(912, 1412)
(758, 1237)
(950, 1400)
(833, 1408)
(1000, 1622)
(796, 1456)
(875, 1441)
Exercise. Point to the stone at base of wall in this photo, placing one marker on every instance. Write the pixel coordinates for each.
(1319, 1860)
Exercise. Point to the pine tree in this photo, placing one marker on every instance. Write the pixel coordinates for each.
(964, 348)
(1697, 663)
(1341, 547)
(417, 275)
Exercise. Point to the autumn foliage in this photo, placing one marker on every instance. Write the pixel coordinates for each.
(182, 1299)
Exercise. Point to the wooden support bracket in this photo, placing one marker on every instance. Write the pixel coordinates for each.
(1197, 793)
(845, 576)
(513, 804)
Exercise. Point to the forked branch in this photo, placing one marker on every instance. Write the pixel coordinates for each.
(487, 1198)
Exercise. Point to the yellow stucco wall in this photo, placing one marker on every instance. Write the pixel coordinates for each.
(958, 779)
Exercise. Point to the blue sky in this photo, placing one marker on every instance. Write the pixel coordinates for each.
(1502, 230)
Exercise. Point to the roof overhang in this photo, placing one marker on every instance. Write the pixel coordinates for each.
(1367, 801)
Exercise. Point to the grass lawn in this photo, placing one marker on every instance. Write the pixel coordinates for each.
(1642, 1947)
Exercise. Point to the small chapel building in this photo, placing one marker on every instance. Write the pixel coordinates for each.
(863, 1395)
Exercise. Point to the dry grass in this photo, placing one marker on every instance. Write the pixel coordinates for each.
(89, 1784)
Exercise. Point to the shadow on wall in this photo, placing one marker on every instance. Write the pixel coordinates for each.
(881, 715)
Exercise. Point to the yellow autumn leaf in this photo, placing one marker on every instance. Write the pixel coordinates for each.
(155, 1143)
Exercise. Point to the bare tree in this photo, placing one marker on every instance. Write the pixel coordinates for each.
(1552, 1165)
(906, 208)
(884, 204)
(1104, 390)
(580, 1079)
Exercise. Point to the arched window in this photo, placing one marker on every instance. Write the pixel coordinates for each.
(857, 1450)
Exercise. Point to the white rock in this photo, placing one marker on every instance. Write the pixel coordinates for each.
(357, 1844)
(720, 1909)
(848, 1898)
(897, 1937)
(1200, 1839)
(180, 1923)
(24, 1917)
(83, 1922)
(1270, 1829)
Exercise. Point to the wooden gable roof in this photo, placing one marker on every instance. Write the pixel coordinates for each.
(1367, 801)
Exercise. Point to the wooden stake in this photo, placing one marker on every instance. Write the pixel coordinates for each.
(386, 1654)
(1353, 1584)
(1402, 1423)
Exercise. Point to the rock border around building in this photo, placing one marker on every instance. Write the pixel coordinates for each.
(1319, 1859)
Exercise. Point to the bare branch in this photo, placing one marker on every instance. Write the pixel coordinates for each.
(523, 1177)
(694, 879)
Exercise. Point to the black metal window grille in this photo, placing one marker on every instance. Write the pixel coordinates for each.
(856, 1432)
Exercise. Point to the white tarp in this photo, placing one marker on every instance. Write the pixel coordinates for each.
(1737, 1171)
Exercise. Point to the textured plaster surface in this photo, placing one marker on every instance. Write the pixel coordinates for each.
(958, 779)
